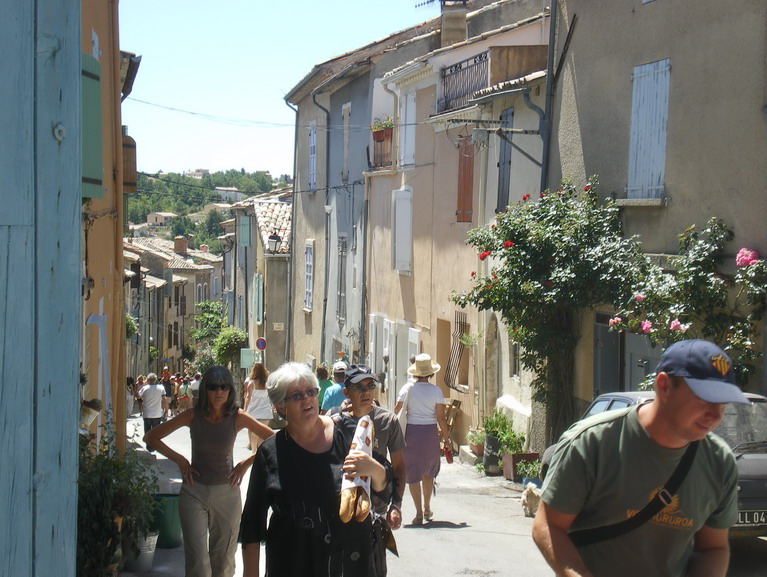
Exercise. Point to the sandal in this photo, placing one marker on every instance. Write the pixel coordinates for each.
(428, 514)
(417, 520)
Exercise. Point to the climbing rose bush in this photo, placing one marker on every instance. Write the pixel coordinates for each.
(696, 295)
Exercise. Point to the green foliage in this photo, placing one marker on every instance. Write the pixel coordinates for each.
(188, 352)
(210, 320)
(529, 469)
(502, 427)
(694, 298)
(380, 124)
(111, 486)
(131, 326)
(475, 437)
(480, 468)
(203, 360)
(154, 354)
(550, 258)
(226, 346)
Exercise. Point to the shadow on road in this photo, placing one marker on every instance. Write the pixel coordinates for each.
(438, 525)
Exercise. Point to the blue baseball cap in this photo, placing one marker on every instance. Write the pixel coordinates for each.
(706, 368)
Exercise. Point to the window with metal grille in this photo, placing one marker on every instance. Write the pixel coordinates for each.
(308, 275)
(461, 80)
(341, 303)
(312, 157)
(460, 327)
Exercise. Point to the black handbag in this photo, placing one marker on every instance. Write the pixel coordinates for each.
(656, 504)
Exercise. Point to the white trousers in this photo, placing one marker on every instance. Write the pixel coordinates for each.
(210, 522)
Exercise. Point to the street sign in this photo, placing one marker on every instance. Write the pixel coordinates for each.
(261, 343)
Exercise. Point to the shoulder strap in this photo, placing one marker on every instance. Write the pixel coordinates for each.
(656, 504)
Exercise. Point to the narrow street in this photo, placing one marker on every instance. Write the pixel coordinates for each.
(479, 528)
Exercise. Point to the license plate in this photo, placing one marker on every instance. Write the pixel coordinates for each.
(752, 517)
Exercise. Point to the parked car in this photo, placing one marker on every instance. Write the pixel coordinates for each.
(743, 427)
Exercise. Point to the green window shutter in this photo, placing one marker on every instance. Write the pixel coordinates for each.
(93, 185)
(243, 230)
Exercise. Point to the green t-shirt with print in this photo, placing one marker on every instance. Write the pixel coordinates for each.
(606, 468)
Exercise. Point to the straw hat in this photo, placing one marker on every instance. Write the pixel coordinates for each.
(423, 366)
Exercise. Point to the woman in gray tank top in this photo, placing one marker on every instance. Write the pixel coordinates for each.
(210, 503)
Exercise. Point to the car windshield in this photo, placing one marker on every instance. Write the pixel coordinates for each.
(744, 423)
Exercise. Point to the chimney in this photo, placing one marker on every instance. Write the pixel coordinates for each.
(453, 22)
(180, 245)
(204, 248)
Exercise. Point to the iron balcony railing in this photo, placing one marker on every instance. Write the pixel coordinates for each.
(461, 80)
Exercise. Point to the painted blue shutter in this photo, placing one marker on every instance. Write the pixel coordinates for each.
(649, 120)
(92, 166)
(504, 162)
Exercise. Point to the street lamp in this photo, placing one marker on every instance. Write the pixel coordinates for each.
(274, 242)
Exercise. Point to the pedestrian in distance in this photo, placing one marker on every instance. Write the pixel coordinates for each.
(388, 442)
(334, 394)
(256, 400)
(424, 404)
(297, 476)
(210, 504)
(194, 387)
(154, 405)
(324, 381)
(647, 490)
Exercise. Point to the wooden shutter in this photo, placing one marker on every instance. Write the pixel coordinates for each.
(504, 162)
(649, 119)
(463, 210)
(90, 102)
(403, 229)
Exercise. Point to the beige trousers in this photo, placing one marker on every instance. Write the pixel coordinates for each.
(210, 523)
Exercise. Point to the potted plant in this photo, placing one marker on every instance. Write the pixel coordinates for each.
(529, 472)
(382, 129)
(115, 503)
(89, 410)
(476, 440)
(496, 426)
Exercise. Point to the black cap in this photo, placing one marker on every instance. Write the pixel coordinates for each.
(357, 373)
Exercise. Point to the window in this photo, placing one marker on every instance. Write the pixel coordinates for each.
(463, 209)
(91, 144)
(341, 303)
(205, 293)
(175, 334)
(346, 112)
(216, 284)
(402, 229)
(504, 162)
(649, 118)
(308, 275)
(170, 335)
(182, 305)
(199, 292)
(406, 130)
(176, 295)
(312, 156)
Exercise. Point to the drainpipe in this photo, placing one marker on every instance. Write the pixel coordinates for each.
(327, 221)
(291, 254)
(481, 377)
(546, 123)
(395, 133)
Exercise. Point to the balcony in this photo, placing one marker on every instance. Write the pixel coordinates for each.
(459, 81)
(382, 148)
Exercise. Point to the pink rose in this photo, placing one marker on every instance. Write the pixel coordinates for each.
(473, 274)
(639, 297)
(746, 257)
(507, 244)
(615, 321)
(587, 188)
(646, 326)
(675, 325)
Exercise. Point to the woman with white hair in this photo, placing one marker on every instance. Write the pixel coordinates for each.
(425, 406)
(297, 475)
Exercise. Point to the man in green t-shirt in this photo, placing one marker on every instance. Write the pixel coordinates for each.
(607, 467)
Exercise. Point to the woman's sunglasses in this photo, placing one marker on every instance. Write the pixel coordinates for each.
(216, 387)
(297, 397)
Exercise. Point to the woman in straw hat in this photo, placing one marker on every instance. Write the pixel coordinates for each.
(425, 406)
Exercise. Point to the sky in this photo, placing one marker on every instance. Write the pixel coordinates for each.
(210, 89)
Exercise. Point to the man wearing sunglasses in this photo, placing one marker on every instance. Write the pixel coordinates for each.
(360, 388)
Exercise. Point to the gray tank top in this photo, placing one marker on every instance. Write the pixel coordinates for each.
(212, 449)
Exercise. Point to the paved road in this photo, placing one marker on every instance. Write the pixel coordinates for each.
(478, 529)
